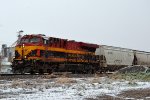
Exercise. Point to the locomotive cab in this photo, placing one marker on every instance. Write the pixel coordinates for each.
(30, 40)
(28, 46)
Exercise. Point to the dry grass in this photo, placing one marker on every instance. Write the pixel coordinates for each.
(16, 83)
(96, 80)
(23, 84)
(65, 80)
(132, 76)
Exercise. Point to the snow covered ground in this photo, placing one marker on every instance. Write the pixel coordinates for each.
(5, 66)
(64, 88)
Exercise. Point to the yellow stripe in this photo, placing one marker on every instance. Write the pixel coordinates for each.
(28, 49)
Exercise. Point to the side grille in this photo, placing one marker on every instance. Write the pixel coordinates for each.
(32, 53)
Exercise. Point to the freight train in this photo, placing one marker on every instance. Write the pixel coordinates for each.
(40, 54)
(37, 53)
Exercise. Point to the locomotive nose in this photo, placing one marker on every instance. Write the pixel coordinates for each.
(21, 52)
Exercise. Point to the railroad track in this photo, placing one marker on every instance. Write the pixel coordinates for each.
(48, 76)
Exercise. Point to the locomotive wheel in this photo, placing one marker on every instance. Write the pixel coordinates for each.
(49, 71)
(22, 72)
(32, 72)
(41, 71)
(74, 72)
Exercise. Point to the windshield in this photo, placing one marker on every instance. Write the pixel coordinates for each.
(30, 40)
(35, 40)
(24, 40)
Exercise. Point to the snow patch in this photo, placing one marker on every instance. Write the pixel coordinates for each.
(77, 89)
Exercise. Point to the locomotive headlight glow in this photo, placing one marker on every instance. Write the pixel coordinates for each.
(23, 45)
(25, 57)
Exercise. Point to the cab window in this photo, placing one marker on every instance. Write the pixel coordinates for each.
(24, 40)
(35, 40)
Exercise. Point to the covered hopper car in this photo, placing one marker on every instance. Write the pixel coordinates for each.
(113, 58)
(142, 58)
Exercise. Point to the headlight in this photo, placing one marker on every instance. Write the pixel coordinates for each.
(23, 45)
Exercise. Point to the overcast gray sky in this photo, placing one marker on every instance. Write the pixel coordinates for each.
(123, 23)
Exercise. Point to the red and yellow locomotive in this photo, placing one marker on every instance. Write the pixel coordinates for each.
(37, 53)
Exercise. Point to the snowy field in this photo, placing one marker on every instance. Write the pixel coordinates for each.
(65, 88)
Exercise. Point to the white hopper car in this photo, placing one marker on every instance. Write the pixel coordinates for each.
(113, 58)
(142, 58)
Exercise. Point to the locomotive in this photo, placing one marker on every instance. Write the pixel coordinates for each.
(37, 53)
